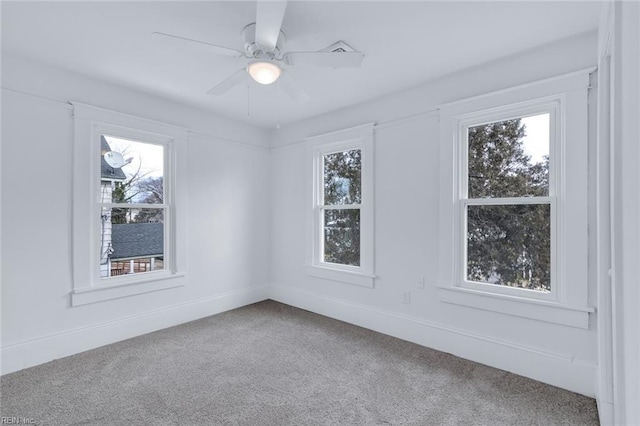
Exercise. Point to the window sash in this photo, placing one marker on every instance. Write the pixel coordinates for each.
(321, 239)
(321, 207)
(506, 201)
(321, 225)
(139, 136)
(463, 200)
(553, 109)
(166, 246)
(166, 143)
(340, 206)
(134, 205)
(498, 288)
(321, 178)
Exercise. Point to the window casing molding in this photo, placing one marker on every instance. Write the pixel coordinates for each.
(360, 137)
(89, 124)
(565, 98)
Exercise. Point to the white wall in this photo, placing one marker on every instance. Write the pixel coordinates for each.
(619, 337)
(228, 235)
(406, 230)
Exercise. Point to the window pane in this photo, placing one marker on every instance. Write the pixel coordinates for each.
(342, 236)
(131, 241)
(342, 184)
(510, 245)
(509, 158)
(131, 172)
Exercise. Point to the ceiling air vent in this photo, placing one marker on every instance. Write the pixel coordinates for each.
(340, 46)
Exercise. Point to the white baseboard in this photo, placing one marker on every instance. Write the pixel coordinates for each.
(547, 367)
(604, 400)
(48, 348)
(538, 364)
(605, 412)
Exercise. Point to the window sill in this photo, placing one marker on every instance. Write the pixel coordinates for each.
(553, 312)
(335, 274)
(126, 288)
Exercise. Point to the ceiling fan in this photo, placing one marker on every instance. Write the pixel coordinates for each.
(267, 62)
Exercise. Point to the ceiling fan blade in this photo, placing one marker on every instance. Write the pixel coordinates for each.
(325, 59)
(291, 86)
(268, 22)
(231, 81)
(180, 41)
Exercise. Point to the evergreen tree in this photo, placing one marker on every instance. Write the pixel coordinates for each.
(507, 244)
(119, 195)
(342, 186)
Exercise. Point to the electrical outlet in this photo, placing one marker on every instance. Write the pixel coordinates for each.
(420, 282)
(406, 297)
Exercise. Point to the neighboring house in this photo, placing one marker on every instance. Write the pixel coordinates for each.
(108, 178)
(136, 247)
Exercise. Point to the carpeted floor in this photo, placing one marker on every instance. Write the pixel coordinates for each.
(271, 364)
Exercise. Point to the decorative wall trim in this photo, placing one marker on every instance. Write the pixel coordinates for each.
(574, 75)
(378, 126)
(435, 112)
(539, 364)
(69, 106)
(408, 119)
(97, 113)
(48, 348)
(226, 141)
(40, 99)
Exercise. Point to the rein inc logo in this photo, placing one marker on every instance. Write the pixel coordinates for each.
(17, 421)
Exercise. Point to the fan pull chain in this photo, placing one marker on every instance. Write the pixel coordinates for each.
(278, 123)
(248, 97)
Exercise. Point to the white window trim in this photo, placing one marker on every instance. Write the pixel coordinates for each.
(462, 124)
(565, 98)
(89, 124)
(166, 142)
(359, 137)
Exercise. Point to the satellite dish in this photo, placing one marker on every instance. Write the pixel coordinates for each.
(114, 159)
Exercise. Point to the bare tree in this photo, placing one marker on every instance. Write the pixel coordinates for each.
(152, 188)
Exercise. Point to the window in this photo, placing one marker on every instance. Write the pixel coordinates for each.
(133, 206)
(341, 220)
(128, 214)
(507, 202)
(513, 201)
(339, 207)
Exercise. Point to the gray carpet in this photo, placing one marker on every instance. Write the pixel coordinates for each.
(271, 364)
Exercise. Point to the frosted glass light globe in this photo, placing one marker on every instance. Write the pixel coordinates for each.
(264, 72)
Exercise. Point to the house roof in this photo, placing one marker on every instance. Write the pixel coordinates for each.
(108, 172)
(131, 240)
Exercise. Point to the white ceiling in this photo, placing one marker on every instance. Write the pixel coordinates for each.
(405, 43)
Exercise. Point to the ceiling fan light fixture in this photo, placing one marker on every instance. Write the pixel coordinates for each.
(264, 72)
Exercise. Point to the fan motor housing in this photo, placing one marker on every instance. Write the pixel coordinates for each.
(253, 49)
